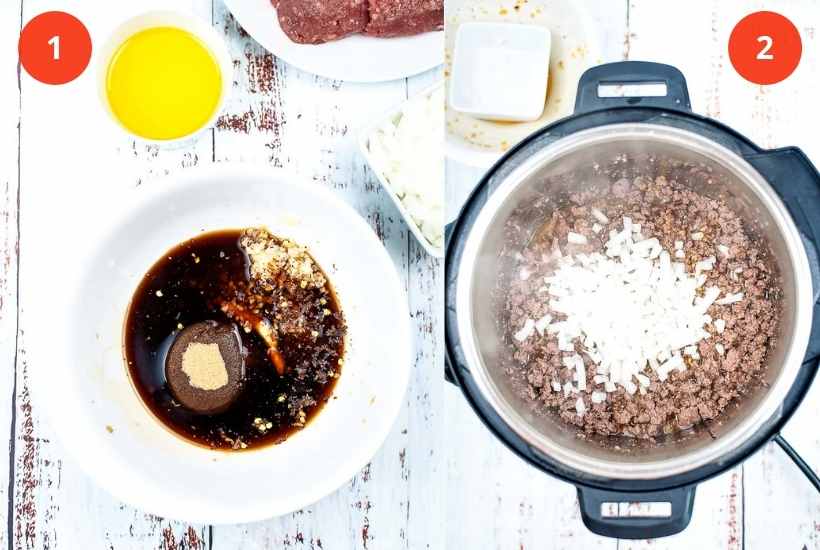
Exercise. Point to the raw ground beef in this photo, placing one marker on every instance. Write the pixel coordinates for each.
(390, 18)
(318, 21)
(669, 211)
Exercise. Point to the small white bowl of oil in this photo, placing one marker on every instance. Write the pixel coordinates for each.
(163, 77)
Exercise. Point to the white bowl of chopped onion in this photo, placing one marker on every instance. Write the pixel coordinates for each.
(405, 150)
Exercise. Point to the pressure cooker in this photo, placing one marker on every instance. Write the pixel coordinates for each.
(777, 191)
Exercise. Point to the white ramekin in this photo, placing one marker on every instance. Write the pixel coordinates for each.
(163, 18)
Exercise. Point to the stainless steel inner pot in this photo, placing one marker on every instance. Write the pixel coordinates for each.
(652, 149)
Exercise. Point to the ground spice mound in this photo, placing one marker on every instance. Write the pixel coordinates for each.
(727, 365)
(205, 367)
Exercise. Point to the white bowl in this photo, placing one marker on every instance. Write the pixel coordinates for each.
(151, 19)
(364, 138)
(80, 378)
(489, 57)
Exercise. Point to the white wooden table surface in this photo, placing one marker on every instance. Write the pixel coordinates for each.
(51, 158)
(54, 157)
(494, 500)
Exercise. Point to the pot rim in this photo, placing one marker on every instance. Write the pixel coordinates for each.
(717, 451)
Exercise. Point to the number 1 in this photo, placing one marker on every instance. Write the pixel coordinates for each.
(764, 53)
(54, 42)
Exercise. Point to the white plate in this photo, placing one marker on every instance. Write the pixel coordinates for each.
(80, 378)
(356, 58)
(574, 49)
(364, 146)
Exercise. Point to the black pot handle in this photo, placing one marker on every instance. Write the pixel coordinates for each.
(790, 172)
(623, 527)
(801, 464)
(448, 373)
(797, 181)
(632, 72)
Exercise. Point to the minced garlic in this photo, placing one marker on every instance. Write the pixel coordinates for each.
(271, 256)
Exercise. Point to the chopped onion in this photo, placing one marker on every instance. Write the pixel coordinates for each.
(627, 309)
(705, 265)
(691, 351)
(576, 238)
(729, 299)
(580, 408)
(526, 331)
(542, 323)
(643, 380)
(634, 280)
(600, 216)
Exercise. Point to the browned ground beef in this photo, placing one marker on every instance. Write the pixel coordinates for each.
(669, 211)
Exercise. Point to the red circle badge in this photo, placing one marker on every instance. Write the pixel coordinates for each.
(54, 47)
(765, 47)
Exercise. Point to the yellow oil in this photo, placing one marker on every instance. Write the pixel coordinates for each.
(163, 83)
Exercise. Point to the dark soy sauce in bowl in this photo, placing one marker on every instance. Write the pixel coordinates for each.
(188, 285)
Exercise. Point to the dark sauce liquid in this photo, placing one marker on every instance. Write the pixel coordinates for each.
(187, 286)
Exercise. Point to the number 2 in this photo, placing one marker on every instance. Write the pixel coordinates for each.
(54, 42)
(764, 54)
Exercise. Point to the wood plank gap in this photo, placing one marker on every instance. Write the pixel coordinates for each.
(742, 507)
(12, 438)
(628, 35)
(12, 431)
